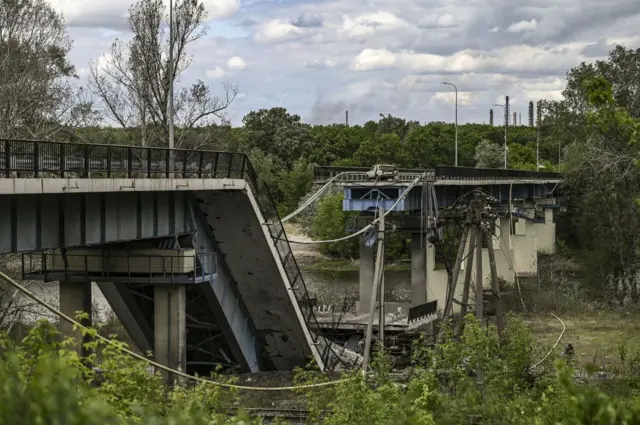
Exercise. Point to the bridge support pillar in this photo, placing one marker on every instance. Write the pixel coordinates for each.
(75, 297)
(366, 274)
(418, 269)
(170, 329)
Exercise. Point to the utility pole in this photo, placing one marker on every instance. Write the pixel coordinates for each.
(381, 310)
(377, 277)
(456, 90)
(170, 95)
(538, 122)
(495, 287)
(478, 207)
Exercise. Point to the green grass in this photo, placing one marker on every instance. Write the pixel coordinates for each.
(596, 337)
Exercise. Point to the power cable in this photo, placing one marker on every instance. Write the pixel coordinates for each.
(370, 225)
(564, 328)
(316, 195)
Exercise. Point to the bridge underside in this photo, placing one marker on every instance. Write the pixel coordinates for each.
(250, 256)
(48, 221)
(231, 305)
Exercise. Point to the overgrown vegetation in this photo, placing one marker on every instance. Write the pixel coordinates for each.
(477, 379)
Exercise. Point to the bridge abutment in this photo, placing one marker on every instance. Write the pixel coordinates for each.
(170, 330)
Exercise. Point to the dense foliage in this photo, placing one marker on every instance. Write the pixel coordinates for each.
(476, 379)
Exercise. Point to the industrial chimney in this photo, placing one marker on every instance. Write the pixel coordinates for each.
(515, 119)
(506, 111)
(531, 113)
(491, 117)
(346, 118)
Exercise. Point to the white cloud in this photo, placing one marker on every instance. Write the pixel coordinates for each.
(402, 48)
(521, 58)
(236, 63)
(370, 59)
(369, 23)
(523, 26)
(435, 20)
(276, 31)
(320, 64)
(216, 73)
(449, 98)
(221, 9)
(114, 14)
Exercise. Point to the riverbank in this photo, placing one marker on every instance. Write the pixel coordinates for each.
(311, 259)
(334, 265)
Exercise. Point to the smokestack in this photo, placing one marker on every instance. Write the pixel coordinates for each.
(520, 118)
(539, 113)
(515, 119)
(531, 113)
(346, 118)
(491, 117)
(506, 111)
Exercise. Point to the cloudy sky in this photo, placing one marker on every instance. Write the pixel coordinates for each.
(319, 58)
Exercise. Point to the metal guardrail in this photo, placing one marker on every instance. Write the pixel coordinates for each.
(441, 172)
(29, 158)
(52, 265)
(359, 174)
(444, 172)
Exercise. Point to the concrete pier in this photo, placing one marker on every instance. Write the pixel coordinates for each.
(75, 297)
(170, 330)
(418, 269)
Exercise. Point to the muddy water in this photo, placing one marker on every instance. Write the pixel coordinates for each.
(332, 287)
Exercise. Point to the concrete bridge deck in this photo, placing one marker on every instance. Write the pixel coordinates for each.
(82, 203)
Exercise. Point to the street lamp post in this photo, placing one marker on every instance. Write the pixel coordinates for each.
(505, 132)
(170, 94)
(456, 89)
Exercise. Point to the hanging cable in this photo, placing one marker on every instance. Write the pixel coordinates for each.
(151, 362)
(369, 226)
(316, 195)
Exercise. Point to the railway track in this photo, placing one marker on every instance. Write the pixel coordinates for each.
(274, 413)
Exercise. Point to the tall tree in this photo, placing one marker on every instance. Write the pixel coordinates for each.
(36, 93)
(278, 133)
(489, 155)
(133, 79)
(603, 180)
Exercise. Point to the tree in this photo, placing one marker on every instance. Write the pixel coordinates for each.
(132, 80)
(489, 155)
(329, 224)
(604, 182)
(36, 93)
(390, 124)
(276, 132)
(295, 184)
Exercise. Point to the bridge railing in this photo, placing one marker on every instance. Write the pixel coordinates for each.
(28, 158)
(52, 265)
(445, 172)
(285, 254)
(442, 172)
